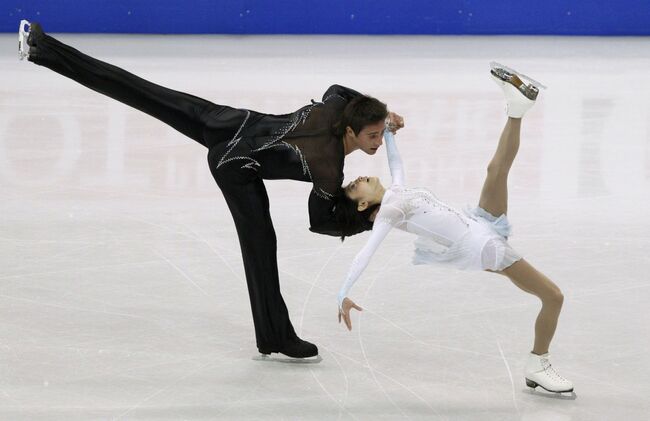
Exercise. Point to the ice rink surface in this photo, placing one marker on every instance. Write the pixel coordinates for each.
(122, 292)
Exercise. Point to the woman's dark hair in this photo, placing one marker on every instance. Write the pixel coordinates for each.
(360, 112)
(348, 217)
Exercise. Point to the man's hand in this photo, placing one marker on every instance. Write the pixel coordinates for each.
(395, 122)
(344, 311)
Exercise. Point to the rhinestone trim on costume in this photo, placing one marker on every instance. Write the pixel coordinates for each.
(276, 141)
(416, 198)
(232, 144)
(322, 193)
(299, 119)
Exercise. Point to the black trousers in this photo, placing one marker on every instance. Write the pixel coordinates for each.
(214, 126)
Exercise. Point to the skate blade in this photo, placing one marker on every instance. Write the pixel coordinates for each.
(288, 360)
(533, 385)
(23, 48)
(495, 65)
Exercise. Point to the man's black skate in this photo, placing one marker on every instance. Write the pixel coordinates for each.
(35, 34)
(29, 35)
(296, 351)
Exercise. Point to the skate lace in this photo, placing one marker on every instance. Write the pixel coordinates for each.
(550, 371)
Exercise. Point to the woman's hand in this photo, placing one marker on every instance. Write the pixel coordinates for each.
(344, 311)
(395, 122)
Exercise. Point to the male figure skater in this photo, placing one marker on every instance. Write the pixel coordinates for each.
(244, 148)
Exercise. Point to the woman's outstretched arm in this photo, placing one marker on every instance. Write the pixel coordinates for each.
(360, 262)
(379, 231)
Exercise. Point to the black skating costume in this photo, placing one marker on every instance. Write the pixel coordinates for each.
(244, 147)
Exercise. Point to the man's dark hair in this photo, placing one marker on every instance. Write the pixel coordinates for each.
(348, 217)
(360, 112)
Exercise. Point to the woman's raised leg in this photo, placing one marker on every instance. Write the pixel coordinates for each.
(519, 99)
(494, 195)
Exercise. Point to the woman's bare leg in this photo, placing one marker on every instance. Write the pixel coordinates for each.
(494, 195)
(526, 277)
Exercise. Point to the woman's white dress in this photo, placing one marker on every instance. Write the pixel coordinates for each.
(471, 239)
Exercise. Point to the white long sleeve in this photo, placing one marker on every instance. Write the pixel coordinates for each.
(387, 217)
(379, 231)
(394, 159)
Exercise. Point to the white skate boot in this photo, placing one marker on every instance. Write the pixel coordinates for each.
(540, 372)
(519, 96)
(23, 48)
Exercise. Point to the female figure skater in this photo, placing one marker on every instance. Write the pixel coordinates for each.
(244, 148)
(474, 240)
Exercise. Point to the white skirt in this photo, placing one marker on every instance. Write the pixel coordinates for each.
(484, 246)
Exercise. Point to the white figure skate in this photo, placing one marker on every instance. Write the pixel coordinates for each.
(540, 372)
(23, 48)
(520, 97)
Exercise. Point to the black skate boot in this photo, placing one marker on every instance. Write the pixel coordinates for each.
(294, 351)
(29, 35)
(35, 34)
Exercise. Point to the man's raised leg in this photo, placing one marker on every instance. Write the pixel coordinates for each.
(186, 113)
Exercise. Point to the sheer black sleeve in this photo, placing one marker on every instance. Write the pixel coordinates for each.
(321, 216)
(342, 91)
(326, 163)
